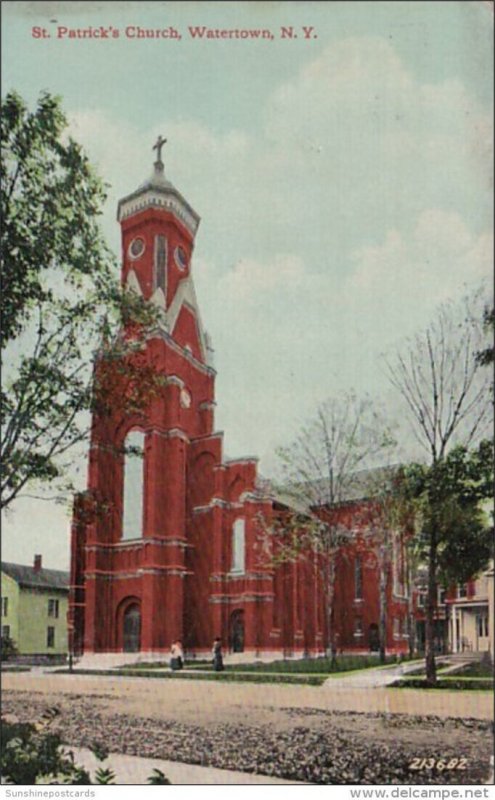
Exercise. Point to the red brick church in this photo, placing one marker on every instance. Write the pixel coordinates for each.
(175, 555)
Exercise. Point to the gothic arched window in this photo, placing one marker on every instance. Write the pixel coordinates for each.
(358, 578)
(238, 547)
(132, 515)
(160, 264)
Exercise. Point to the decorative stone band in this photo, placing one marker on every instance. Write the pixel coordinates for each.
(228, 599)
(208, 405)
(216, 501)
(118, 450)
(166, 201)
(173, 433)
(218, 577)
(118, 576)
(243, 460)
(162, 334)
(204, 437)
(137, 544)
(174, 380)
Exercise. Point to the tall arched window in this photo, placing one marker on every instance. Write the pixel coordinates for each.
(132, 517)
(160, 264)
(358, 579)
(238, 547)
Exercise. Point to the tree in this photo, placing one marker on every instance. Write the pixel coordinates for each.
(486, 356)
(384, 518)
(9, 648)
(62, 306)
(319, 471)
(445, 391)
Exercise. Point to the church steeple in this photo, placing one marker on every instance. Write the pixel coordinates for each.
(158, 229)
(158, 192)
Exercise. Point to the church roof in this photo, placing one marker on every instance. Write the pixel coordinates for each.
(361, 485)
(37, 579)
(157, 189)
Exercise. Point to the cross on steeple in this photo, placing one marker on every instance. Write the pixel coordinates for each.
(158, 147)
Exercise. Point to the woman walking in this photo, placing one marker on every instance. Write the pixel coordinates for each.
(217, 655)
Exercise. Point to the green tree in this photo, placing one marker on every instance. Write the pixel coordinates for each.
(446, 395)
(9, 648)
(453, 534)
(62, 306)
(319, 471)
(486, 356)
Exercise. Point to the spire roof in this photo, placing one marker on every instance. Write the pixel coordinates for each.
(158, 192)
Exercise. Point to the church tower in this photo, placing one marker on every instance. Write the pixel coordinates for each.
(164, 538)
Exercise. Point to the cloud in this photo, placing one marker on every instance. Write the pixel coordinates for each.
(335, 225)
(399, 282)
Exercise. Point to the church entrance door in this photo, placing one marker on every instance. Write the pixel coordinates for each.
(374, 638)
(237, 631)
(132, 629)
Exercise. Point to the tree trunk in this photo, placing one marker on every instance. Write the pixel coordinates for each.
(431, 670)
(411, 622)
(383, 605)
(330, 587)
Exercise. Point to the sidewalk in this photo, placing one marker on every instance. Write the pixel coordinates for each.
(373, 678)
(135, 770)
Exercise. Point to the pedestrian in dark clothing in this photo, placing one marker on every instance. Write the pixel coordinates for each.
(217, 655)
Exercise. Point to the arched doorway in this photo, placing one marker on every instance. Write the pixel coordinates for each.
(237, 631)
(374, 638)
(132, 629)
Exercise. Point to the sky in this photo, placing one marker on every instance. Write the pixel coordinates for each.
(343, 180)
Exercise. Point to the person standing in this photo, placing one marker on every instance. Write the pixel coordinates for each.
(217, 655)
(174, 657)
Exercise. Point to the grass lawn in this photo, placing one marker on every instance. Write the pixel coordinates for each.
(447, 682)
(302, 666)
(226, 677)
(478, 669)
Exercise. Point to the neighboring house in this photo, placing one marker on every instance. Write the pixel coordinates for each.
(440, 617)
(34, 608)
(471, 615)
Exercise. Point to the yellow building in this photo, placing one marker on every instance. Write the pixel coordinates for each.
(34, 608)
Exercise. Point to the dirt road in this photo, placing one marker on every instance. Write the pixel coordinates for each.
(295, 732)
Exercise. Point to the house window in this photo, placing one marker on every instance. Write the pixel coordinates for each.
(441, 596)
(53, 608)
(5, 631)
(358, 626)
(50, 636)
(5, 606)
(238, 547)
(421, 599)
(482, 625)
(358, 578)
(462, 590)
(132, 517)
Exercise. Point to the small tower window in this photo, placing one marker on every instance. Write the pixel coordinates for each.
(238, 547)
(132, 518)
(160, 265)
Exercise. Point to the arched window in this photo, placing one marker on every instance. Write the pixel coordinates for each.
(160, 264)
(358, 579)
(132, 517)
(238, 547)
